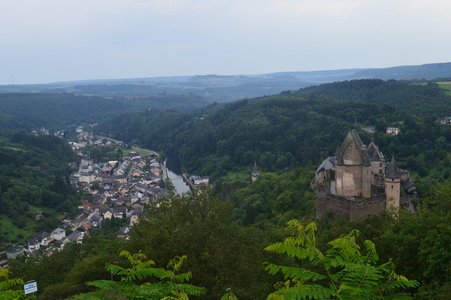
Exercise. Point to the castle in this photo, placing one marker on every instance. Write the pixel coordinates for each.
(357, 181)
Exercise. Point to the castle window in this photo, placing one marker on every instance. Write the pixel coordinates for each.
(380, 165)
(391, 186)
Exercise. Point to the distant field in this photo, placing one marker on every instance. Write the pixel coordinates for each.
(446, 85)
(143, 152)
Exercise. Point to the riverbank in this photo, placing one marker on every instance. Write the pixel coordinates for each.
(187, 181)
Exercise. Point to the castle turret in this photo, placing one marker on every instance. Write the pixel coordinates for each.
(392, 184)
(255, 172)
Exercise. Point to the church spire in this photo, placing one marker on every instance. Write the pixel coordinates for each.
(255, 173)
(255, 168)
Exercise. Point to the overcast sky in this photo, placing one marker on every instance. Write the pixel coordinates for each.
(60, 40)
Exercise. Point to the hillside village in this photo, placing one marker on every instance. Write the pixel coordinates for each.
(117, 190)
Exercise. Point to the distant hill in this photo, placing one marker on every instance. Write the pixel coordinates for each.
(419, 72)
(36, 110)
(427, 71)
(220, 88)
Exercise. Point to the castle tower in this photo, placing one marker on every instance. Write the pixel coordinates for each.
(351, 167)
(392, 184)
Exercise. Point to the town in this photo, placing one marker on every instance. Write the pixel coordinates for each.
(116, 190)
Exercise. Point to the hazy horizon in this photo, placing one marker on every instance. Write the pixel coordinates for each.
(52, 41)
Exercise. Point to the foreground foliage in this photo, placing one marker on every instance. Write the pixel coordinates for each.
(343, 272)
(135, 282)
(221, 253)
(11, 288)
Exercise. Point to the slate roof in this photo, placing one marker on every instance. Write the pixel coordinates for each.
(327, 164)
(392, 170)
(373, 152)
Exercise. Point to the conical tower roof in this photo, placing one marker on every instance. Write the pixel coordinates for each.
(392, 169)
(255, 168)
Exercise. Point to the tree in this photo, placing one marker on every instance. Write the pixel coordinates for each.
(221, 253)
(95, 185)
(8, 287)
(136, 282)
(343, 272)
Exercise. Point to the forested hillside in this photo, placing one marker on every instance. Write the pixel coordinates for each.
(56, 111)
(290, 130)
(34, 175)
(164, 101)
(420, 99)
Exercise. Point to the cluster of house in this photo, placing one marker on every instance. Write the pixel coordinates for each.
(43, 131)
(118, 190)
(47, 242)
(84, 138)
(198, 181)
(446, 121)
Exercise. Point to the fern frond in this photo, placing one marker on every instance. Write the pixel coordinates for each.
(177, 262)
(145, 273)
(10, 283)
(294, 273)
(105, 284)
(183, 277)
(371, 255)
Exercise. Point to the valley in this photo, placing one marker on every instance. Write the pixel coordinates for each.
(222, 229)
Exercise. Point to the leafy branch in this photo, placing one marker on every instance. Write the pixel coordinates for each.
(347, 271)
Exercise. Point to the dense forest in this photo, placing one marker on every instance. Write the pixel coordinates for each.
(53, 111)
(415, 98)
(223, 231)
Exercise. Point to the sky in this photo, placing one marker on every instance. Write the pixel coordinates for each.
(44, 41)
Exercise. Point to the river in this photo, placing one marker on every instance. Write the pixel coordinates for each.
(176, 179)
(174, 170)
(178, 182)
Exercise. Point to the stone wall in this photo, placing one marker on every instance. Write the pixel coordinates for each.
(331, 205)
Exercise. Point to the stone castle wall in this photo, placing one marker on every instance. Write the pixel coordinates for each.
(331, 205)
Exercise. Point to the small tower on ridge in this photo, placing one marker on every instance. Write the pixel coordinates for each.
(255, 172)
